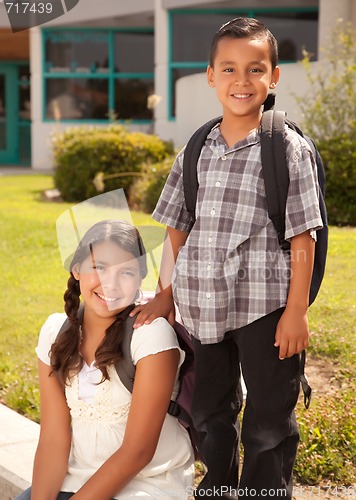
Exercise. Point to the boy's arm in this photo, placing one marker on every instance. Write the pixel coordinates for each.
(162, 304)
(292, 333)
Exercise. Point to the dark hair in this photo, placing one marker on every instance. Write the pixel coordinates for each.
(245, 27)
(65, 355)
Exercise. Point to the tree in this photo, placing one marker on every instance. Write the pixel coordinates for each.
(330, 104)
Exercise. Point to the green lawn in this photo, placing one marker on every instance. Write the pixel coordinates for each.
(333, 316)
(32, 280)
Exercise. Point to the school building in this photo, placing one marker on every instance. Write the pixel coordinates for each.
(140, 62)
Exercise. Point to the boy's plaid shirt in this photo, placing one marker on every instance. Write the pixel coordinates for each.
(232, 270)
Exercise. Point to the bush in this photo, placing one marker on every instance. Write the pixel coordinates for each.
(339, 157)
(146, 190)
(329, 116)
(81, 153)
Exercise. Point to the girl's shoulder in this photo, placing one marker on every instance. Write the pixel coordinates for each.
(48, 335)
(53, 323)
(159, 328)
(156, 337)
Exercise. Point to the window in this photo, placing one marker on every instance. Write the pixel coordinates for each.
(191, 32)
(76, 51)
(75, 99)
(98, 74)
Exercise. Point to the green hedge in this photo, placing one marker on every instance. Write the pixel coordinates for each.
(339, 158)
(145, 191)
(81, 153)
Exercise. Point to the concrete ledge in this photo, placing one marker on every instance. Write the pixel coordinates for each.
(18, 442)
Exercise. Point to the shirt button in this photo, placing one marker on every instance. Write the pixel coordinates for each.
(212, 211)
(208, 267)
(223, 157)
(210, 239)
(208, 295)
(217, 184)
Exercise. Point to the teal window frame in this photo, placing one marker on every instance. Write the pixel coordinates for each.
(202, 65)
(14, 122)
(111, 76)
(24, 123)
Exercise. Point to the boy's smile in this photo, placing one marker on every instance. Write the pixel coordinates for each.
(242, 75)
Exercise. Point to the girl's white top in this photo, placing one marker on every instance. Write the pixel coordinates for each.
(99, 416)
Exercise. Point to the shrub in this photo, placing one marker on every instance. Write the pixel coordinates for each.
(329, 116)
(146, 190)
(339, 157)
(81, 153)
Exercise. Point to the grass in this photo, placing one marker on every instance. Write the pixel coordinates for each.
(33, 279)
(333, 317)
(328, 433)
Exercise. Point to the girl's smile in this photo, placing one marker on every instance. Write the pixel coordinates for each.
(107, 299)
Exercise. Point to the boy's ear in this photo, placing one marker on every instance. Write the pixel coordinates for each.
(275, 75)
(210, 76)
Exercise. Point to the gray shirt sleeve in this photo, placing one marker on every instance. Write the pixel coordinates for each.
(171, 209)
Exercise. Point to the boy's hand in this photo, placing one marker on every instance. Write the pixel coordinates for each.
(292, 333)
(161, 305)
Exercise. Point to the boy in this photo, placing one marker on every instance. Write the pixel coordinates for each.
(242, 298)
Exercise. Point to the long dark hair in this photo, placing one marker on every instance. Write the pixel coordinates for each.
(65, 352)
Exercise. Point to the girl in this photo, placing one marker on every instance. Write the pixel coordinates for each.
(98, 441)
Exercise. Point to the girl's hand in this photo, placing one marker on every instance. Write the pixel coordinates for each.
(292, 333)
(161, 305)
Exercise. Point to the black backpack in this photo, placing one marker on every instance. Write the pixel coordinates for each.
(276, 179)
(181, 407)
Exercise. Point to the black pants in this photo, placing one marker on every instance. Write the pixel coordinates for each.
(269, 430)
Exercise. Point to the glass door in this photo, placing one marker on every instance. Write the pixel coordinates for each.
(8, 114)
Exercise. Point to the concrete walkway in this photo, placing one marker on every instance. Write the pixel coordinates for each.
(5, 170)
(18, 442)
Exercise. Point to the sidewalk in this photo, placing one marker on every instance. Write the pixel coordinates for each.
(5, 170)
(18, 442)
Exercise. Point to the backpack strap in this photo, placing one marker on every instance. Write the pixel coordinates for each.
(275, 170)
(190, 160)
(192, 153)
(269, 102)
(307, 390)
(125, 368)
(66, 322)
